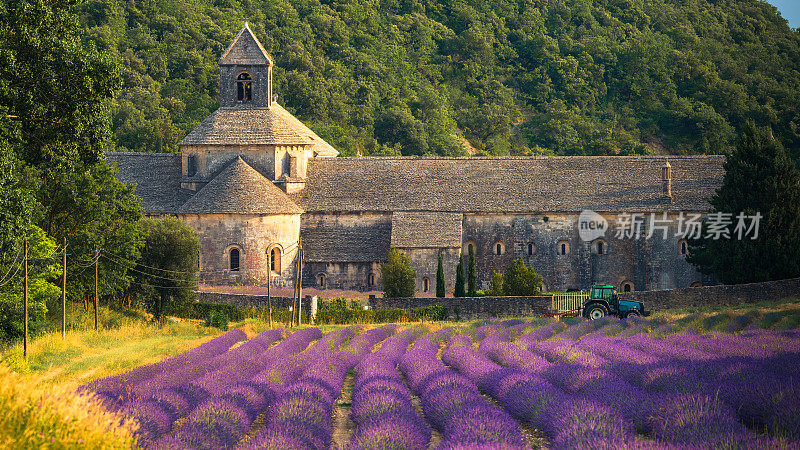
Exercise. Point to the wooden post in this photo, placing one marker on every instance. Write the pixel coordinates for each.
(300, 287)
(25, 307)
(269, 283)
(96, 261)
(64, 292)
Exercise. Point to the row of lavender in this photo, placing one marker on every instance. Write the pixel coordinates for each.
(582, 387)
(595, 384)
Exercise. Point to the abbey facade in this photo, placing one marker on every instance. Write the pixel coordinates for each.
(255, 182)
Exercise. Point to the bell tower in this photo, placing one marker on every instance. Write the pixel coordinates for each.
(245, 73)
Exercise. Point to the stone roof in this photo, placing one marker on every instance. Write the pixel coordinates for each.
(509, 184)
(245, 50)
(244, 125)
(330, 242)
(157, 177)
(239, 189)
(426, 230)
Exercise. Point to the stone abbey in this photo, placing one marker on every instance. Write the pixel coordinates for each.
(254, 181)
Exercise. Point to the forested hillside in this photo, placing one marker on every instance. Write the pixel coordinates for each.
(411, 77)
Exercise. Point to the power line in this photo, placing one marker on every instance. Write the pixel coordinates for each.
(143, 273)
(5, 279)
(134, 263)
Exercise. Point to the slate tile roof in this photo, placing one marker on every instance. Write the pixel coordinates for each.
(239, 189)
(508, 185)
(157, 177)
(331, 242)
(243, 125)
(426, 230)
(245, 50)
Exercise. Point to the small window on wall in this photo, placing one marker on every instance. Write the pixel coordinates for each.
(275, 260)
(321, 279)
(234, 260)
(627, 286)
(683, 247)
(371, 279)
(531, 248)
(244, 87)
(499, 248)
(425, 284)
(191, 165)
(600, 247)
(563, 247)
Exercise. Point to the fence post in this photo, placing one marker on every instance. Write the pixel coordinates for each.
(64, 292)
(25, 301)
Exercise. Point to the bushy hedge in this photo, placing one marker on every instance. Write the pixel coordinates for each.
(342, 312)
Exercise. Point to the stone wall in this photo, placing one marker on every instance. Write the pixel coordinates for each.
(470, 308)
(722, 295)
(246, 301)
(254, 236)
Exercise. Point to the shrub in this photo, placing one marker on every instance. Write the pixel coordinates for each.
(399, 279)
(521, 280)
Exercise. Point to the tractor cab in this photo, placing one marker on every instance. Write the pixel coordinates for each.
(603, 301)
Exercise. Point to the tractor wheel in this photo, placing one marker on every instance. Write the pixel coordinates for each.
(633, 313)
(596, 311)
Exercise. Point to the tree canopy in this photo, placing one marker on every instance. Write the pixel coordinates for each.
(399, 279)
(414, 77)
(760, 179)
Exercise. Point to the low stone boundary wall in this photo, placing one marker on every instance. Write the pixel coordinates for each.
(721, 295)
(470, 308)
(247, 300)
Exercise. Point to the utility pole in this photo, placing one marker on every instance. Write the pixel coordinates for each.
(96, 261)
(269, 282)
(300, 286)
(25, 301)
(64, 292)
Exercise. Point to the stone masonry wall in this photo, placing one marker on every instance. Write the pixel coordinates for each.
(470, 308)
(722, 295)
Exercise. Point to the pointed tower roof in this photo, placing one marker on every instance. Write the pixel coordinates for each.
(240, 189)
(245, 50)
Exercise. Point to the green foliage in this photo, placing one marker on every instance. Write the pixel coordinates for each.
(563, 76)
(496, 288)
(760, 178)
(207, 311)
(165, 277)
(472, 274)
(43, 268)
(399, 279)
(440, 289)
(521, 280)
(54, 131)
(459, 288)
(217, 318)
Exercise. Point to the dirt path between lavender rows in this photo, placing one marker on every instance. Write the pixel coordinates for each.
(342, 425)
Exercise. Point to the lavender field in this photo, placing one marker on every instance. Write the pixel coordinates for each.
(505, 384)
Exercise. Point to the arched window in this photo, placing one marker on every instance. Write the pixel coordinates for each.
(531, 248)
(371, 279)
(696, 284)
(425, 284)
(244, 87)
(627, 286)
(683, 247)
(470, 248)
(275, 259)
(499, 248)
(191, 165)
(234, 259)
(321, 278)
(563, 247)
(600, 247)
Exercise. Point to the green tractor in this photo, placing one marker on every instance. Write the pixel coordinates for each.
(603, 301)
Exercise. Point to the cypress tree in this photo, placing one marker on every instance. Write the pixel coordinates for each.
(440, 279)
(472, 276)
(459, 289)
(760, 178)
